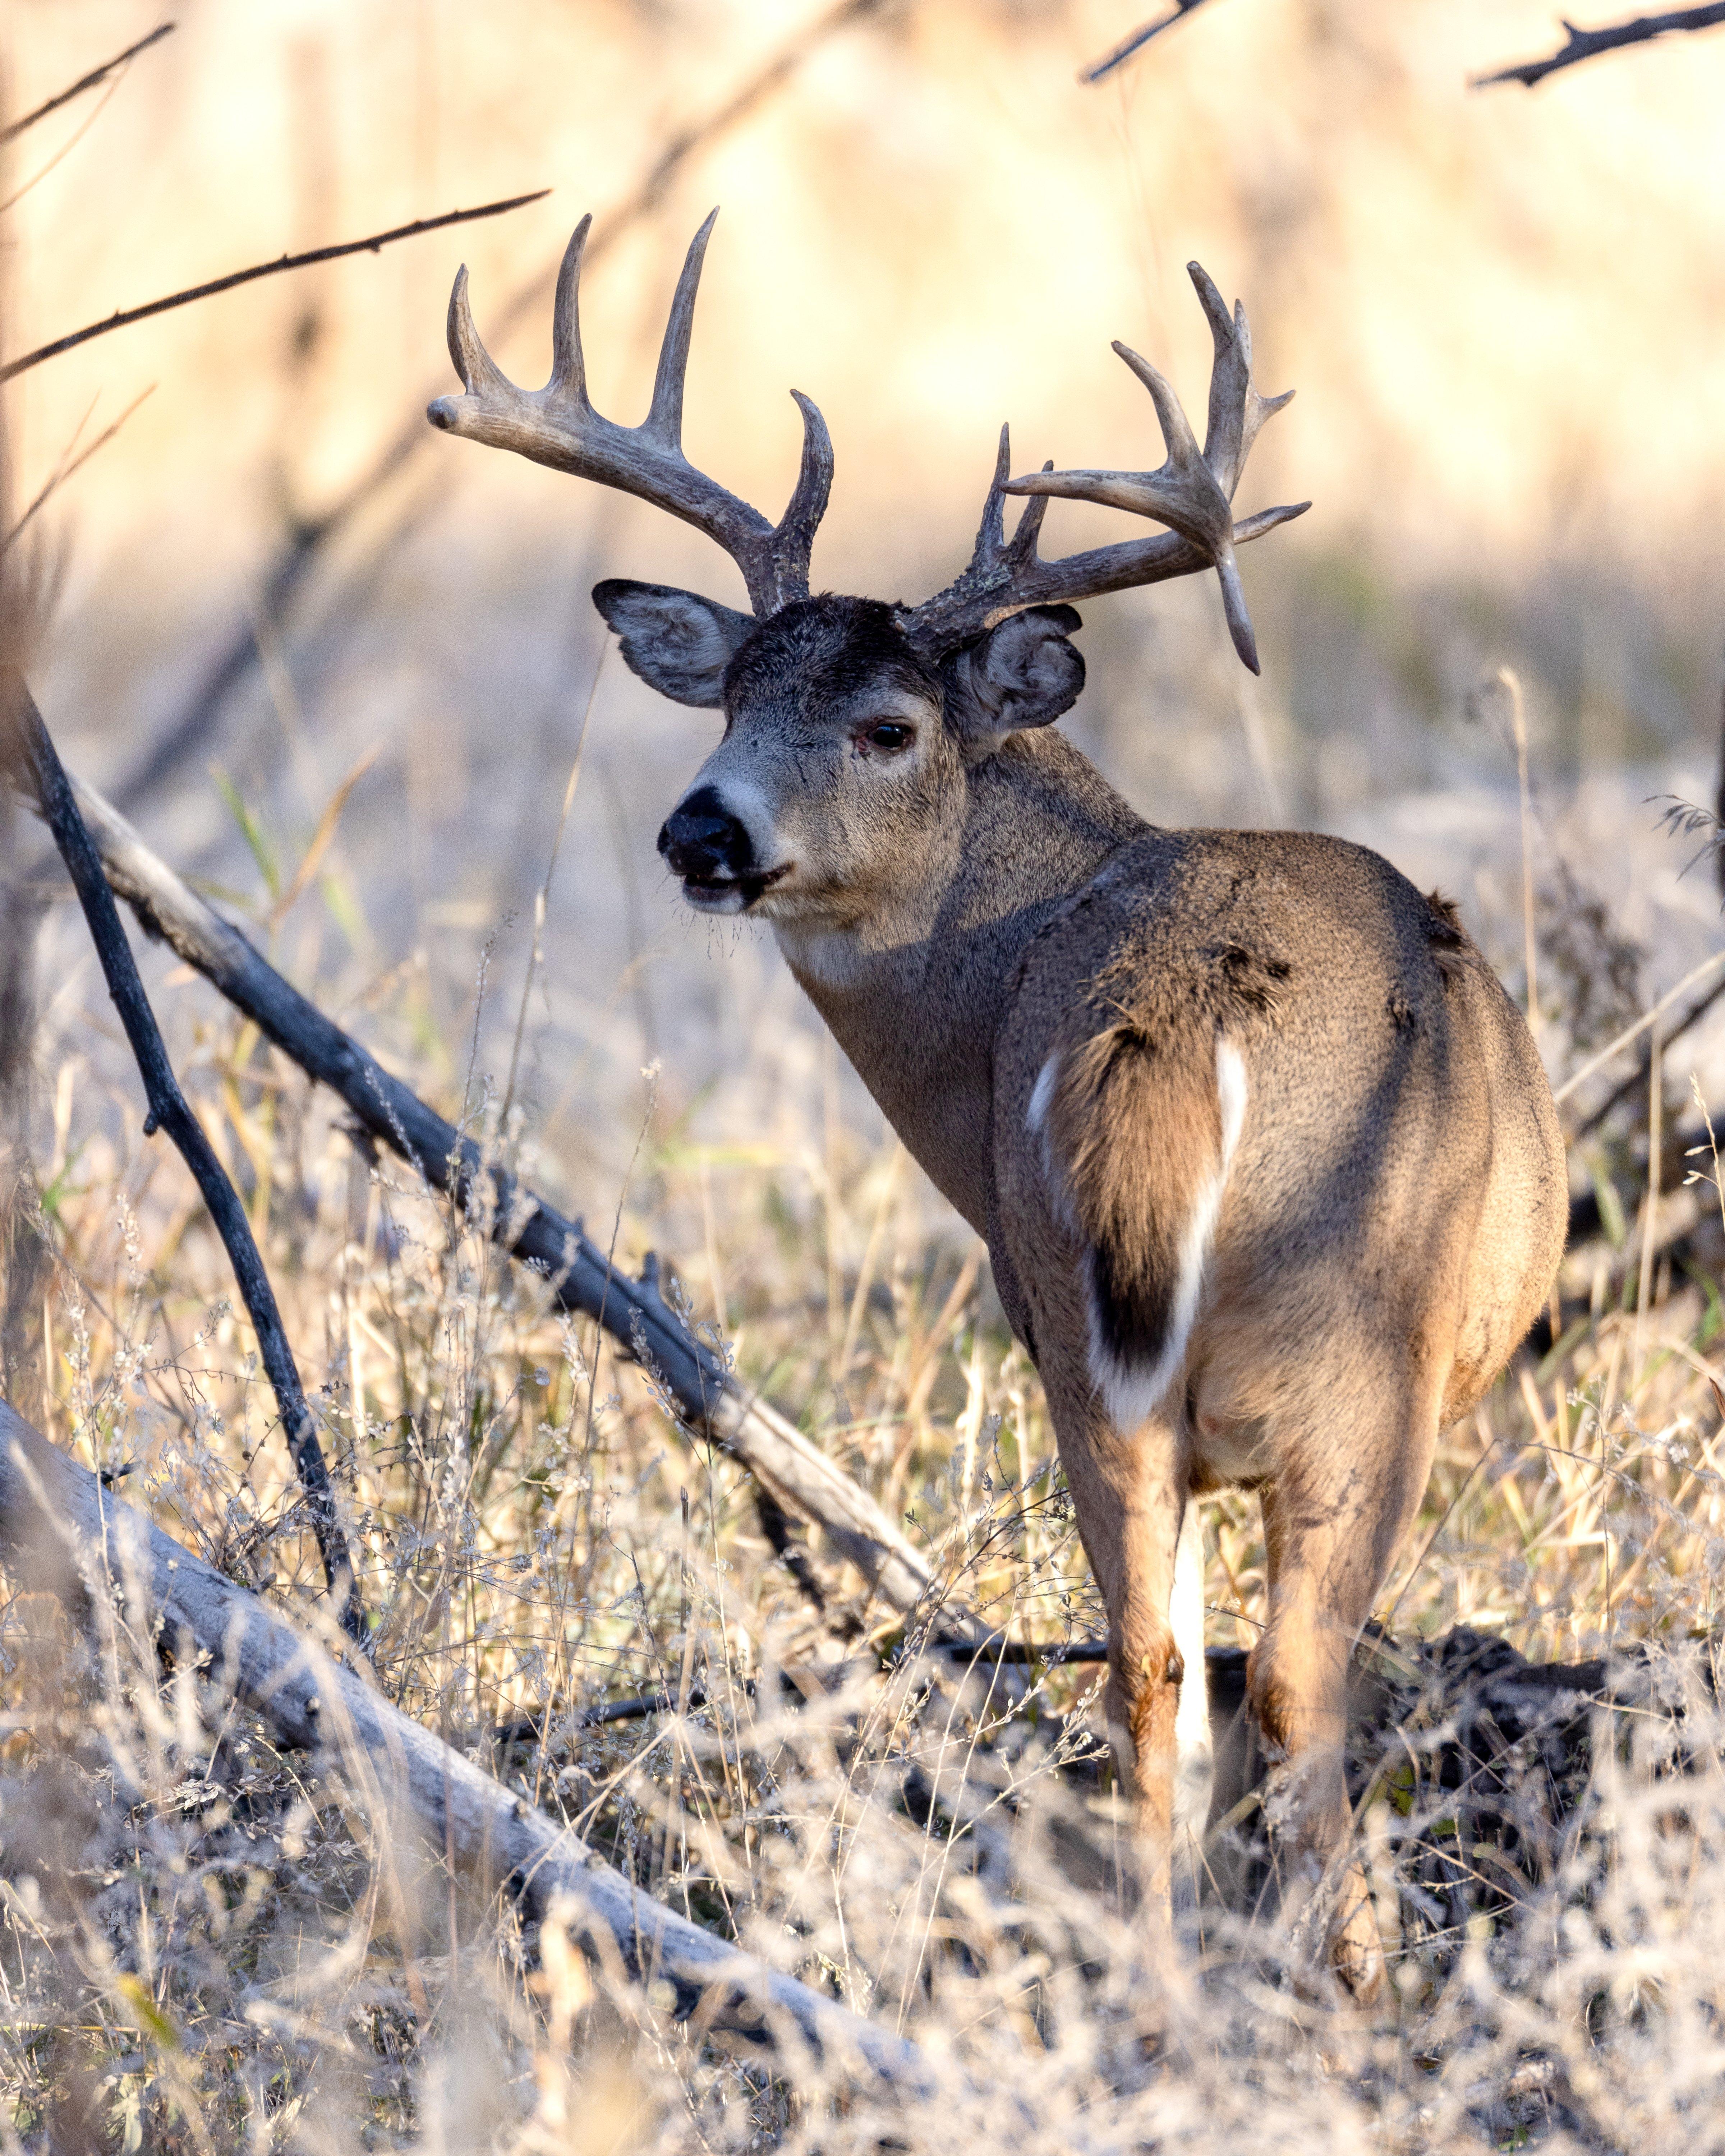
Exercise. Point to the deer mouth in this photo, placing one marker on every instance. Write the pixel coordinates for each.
(718, 892)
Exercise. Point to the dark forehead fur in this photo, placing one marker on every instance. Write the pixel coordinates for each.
(831, 646)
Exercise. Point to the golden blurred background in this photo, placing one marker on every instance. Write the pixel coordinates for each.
(1501, 310)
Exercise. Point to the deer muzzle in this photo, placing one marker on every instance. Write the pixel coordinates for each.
(709, 847)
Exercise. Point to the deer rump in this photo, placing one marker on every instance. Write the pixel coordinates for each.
(1139, 1116)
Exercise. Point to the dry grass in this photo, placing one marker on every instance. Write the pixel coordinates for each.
(210, 1944)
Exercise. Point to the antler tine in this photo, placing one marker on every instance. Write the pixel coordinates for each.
(793, 541)
(480, 374)
(568, 367)
(992, 544)
(665, 417)
(991, 532)
(558, 426)
(1021, 548)
(1236, 410)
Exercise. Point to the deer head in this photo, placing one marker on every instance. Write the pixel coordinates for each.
(851, 722)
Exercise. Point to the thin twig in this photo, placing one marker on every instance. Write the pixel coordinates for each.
(307, 536)
(1136, 42)
(124, 318)
(1630, 1033)
(64, 470)
(64, 152)
(1509, 682)
(1588, 44)
(542, 898)
(85, 82)
(1655, 1105)
(1638, 1077)
(45, 776)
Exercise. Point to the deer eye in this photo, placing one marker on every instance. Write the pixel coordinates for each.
(888, 734)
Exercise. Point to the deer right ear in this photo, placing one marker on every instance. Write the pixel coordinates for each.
(679, 643)
(1023, 673)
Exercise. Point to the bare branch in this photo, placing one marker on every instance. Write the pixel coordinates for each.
(1580, 45)
(86, 82)
(1136, 42)
(61, 1531)
(641, 1323)
(41, 771)
(123, 319)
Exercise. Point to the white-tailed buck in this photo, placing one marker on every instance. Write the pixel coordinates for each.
(1265, 1161)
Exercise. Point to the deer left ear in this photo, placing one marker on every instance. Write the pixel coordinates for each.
(679, 643)
(1023, 673)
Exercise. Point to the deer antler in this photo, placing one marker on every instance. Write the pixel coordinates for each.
(558, 426)
(1191, 493)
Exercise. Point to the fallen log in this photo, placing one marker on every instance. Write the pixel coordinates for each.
(61, 1531)
(790, 1466)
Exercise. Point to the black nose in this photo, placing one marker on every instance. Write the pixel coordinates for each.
(703, 842)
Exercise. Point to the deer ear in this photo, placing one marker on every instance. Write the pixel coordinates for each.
(679, 643)
(1023, 673)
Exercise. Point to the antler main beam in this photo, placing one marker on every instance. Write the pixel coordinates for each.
(558, 426)
(1191, 493)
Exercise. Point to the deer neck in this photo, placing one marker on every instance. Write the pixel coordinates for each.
(915, 992)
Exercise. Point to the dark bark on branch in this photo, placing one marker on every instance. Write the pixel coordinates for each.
(1129, 47)
(306, 536)
(168, 1111)
(86, 82)
(1588, 44)
(120, 320)
(634, 1312)
(1013, 1653)
(61, 1532)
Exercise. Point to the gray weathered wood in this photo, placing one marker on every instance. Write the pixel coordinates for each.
(60, 1529)
(634, 1313)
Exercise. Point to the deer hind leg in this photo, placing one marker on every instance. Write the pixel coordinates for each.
(1129, 1493)
(1339, 1506)
(1194, 1767)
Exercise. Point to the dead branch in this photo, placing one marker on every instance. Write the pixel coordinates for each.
(535, 1721)
(634, 1313)
(63, 1532)
(86, 82)
(123, 319)
(1580, 45)
(42, 770)
(307, 537)
(1136, 42)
